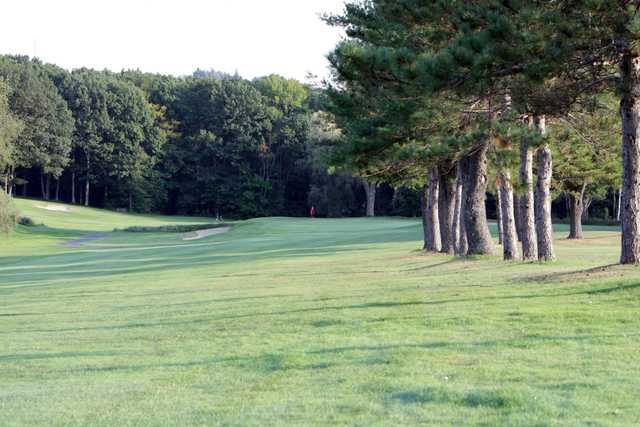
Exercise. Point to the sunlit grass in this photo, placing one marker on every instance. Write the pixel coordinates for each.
(297, 321)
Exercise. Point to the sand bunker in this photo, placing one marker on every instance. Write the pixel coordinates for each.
(54, 208)
(201, 234)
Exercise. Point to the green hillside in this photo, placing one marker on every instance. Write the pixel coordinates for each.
(299, 321)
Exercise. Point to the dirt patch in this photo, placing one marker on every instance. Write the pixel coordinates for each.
(55, 208)
(201, 234)
(85, 239)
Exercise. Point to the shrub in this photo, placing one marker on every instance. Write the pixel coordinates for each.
(8, 214)
(172, 228)
(26, 221)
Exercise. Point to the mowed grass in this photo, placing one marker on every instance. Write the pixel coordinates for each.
(309, 322)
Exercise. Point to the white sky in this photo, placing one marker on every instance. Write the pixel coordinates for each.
(255, 37)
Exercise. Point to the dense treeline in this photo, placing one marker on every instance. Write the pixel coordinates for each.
(211, 144)
(517, 100)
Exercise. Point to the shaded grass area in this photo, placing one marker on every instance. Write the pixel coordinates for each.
(296, 321)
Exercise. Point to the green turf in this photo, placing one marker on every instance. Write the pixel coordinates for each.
(309, 322)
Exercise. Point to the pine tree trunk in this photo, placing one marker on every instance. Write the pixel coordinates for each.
(459, 235)
(544, 227)
(431, 220)
(48, 186)
(370, 190)
(575, 216)
(57, 189)
(87, 187)
(424, 197)
(73, 188)
(630, 114)
(499, 213)
(10, 185)
(527, 213)
(586, 204)
(507, 214)
(446, 211)
(43, 193)
(87, 184)
(518, 213)
(479, 240)
(619, 204)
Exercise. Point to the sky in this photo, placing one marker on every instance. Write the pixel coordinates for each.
(254, 37)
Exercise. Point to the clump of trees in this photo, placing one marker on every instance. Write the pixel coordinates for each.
(209, 144)
(475, 97)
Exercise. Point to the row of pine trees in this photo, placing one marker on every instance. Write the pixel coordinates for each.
(524, 99)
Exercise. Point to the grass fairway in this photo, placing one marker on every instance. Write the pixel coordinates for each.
(313, 322)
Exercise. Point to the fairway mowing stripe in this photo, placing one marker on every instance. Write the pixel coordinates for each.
(88, 263)
(144, 248)
(115, 271)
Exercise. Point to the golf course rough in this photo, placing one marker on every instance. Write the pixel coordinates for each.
(283, 321)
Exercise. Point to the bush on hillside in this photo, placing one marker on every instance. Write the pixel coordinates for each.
(27, 221)
(172, 228)
(8, 213)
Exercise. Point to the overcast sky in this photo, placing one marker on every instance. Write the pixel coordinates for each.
(254, 37)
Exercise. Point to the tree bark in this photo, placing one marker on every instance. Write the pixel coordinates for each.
(10, 184)
(424, 197)
(630, 114)
(619, 204)
(586, 204)
(575, 215)
(73, 187)
(518, 213)
(370, 190)
(87, 184)
(446, 211)
(431, 221)
(459, 234)
(479, 240)
(499, 213)
(544, 226)
(43, 193)
(48, 186)
(526, 204)
(57, 189)
(507, 215)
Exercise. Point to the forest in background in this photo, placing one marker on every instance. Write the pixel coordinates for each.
(216, 144)
(210, 144)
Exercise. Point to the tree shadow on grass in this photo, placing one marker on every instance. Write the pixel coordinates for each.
(387, 304)
(480, 398)
(95, 264)
(452, 260)
(270, 363)
(457, 345)
(6, 358)
(564, 275)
